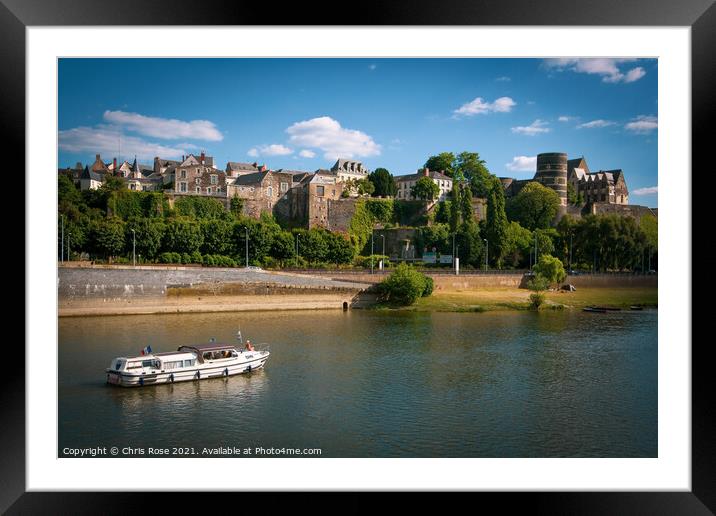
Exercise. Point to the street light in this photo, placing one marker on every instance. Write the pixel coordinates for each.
(487, 252)
(247, 245)
(383, 237)
(570, 252)
(134, 248)
(453, 250)
(371, 251)
(298, 255)
(62, 242)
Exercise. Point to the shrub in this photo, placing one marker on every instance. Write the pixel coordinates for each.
(550, 269)
(403, 287)
(429, 286)
(536, 300)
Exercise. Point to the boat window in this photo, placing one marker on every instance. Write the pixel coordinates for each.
(207, 356)
(234, 353)
(189, 363)
(134, 365)
(149, 363)
(173, 365)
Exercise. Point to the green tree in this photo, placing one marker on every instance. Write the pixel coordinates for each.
(473, 169)
(404, 286)
(496, 222)
(534, 207)
(384, 183)
(550, 269)
(107, 237)
(237, 206)
(425, 189)
(445, 161)
(283, 246)
(148, 235)
(467, 212)
(518, 244)
(455, 207)
(182, 235)
(217, 237)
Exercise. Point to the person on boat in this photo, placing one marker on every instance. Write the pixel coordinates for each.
(249, 346)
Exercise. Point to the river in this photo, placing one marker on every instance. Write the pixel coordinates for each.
(377, 384)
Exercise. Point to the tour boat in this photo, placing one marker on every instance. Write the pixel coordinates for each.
(194, 362)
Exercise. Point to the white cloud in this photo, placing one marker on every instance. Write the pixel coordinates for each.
(479, 106)
(536, 127)
(634, 74)
(595, 124)
(326, 134)
(642, 124)
(522, 164)
(305, 153)
(275, 149)
(106, 139)
(504, 78)
(565, 118)
(608, 68)
(164, 128)
(646, 191)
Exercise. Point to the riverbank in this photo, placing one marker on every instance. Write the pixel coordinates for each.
(510, 298)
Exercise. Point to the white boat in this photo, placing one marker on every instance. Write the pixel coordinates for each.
(188, 363)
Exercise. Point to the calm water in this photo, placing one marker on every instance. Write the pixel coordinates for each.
(369, 384)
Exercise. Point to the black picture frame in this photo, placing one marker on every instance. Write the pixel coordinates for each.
(700, 15)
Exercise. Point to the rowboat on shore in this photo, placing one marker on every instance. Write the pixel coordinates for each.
(594, 309)
(187, 363)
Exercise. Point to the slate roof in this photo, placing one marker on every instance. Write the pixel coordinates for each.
(90, 174)
(251, 179)
(237, 165)
(432, 174)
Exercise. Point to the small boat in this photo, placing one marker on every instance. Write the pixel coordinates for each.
(193, 362)
(636, 307)
(608, 308)
(595, 309)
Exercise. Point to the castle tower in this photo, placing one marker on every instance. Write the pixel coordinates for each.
(552, 173)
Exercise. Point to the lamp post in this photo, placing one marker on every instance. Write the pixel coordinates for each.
(453, 250)
(570, 251)
(371, 251)
(298, 255)
(247, 245)
(383, 237)
(68, 247)
(62, 241)
(134, 248)
(487, 253)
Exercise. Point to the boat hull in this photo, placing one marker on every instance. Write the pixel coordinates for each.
(202, 372)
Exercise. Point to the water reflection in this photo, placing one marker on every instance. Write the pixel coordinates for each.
(363, 384)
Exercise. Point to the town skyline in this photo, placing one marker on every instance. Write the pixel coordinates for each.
(390, 113)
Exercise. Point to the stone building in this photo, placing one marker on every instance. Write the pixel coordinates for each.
(607, 186)
(263, 192)
(317, 191)
(236, 169)
(407, 182)
(90, 180)
(196, 175)
(345, 170)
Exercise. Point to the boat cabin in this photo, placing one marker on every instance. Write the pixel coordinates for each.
(159, 362)
(212, 352)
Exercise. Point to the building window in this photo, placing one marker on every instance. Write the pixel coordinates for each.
(214, 179)
(132, 186)
(182, 187)
(198, 190)
(284, 187)
(182, 174)
(319, 191)
(269, 191)
(208, 191)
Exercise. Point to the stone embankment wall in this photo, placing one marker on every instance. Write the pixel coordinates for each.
(495, 280)
(124, 290)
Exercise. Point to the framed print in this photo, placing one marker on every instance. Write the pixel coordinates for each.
(417, 253)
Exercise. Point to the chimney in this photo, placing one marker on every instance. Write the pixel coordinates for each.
(183, 158)
(203, 157)
(114, 165)
(426, 172)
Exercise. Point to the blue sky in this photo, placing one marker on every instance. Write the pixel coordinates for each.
(393, 113)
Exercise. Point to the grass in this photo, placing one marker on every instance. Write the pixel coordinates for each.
(504, 298)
